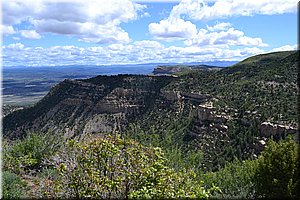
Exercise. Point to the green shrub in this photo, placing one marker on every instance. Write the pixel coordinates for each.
(278, 170)
(179, 155)
(30, 152)
(12, 186)
(46, 180)
(273, 175)
(235, 180)
(112, 167)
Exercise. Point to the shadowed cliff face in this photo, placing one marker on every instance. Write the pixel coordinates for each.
(100, 104)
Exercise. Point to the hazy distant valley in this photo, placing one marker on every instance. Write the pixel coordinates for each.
(24, 86)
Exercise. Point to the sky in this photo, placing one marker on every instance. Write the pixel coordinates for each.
(109, 32)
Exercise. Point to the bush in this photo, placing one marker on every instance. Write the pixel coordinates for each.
(235, 180)
(273, 175)
(278, 170)
(13, 187)
(46, 181)
(179, 155)
(112, 167)
(29, 153)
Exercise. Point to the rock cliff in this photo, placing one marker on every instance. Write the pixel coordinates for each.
(100, 104)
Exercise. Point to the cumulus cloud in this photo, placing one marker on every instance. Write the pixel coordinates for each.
(148, 44)
(200, 10)
(165, 1)
(219, 27)
(92, 21)
(286, 48)
(173, 28)
(157, 1)
(15, 46)
(30, 34)
(145, 51)
(7, 30)
(224, 38)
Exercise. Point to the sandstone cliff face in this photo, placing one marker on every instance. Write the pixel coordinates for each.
(171, 95)
(7, 109)
(106, 104)
(277, 131)
(100, 104)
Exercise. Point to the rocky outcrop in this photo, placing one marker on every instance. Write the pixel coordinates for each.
(205, 112)
(195, 97)
(277, 131)
(167, 70)
(207, 124)
(7, 109)
(260, 145)
(173, 69)
(100, 104)
(104, 123)
(184, 96)
(171, 95)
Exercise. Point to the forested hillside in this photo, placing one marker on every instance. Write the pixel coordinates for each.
(172, 131)
(227, 113)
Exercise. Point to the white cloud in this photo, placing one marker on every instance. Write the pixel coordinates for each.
(15, 46)
(87, 32)
(221, 34)
(165, 1)
(286, 48)
(173, 29)
(219, 27)
(200, 10)
(156, 1)
(252, 51)
(145, 14)
(7, 30)
(148, 44)
(92, 21)
(137, 52)
(30, 34)
(200, 54)
(225, 38)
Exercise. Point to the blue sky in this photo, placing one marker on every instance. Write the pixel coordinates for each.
(101, 32)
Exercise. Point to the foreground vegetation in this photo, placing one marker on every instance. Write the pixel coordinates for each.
(115, 166)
